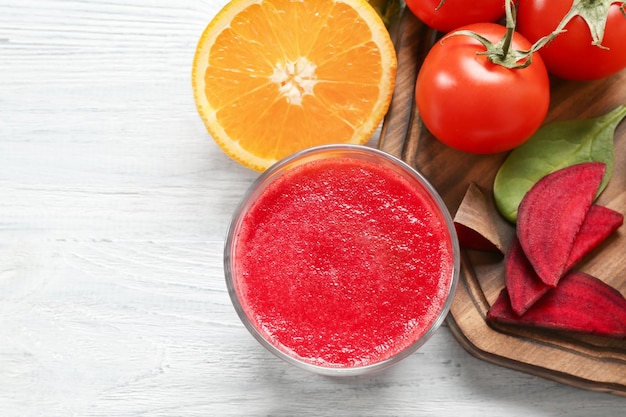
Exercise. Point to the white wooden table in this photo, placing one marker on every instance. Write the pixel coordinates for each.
(114, 202)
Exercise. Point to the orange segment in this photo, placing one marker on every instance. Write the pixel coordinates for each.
(272, 77)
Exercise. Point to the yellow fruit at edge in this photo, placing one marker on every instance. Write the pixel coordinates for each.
(272, 77)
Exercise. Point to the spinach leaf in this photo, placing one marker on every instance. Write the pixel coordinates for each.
(554, 146)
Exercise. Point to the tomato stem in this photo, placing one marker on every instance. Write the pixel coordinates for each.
(510, 28)
(595, 14)
(502, 53)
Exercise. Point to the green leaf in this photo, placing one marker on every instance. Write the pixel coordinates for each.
(554, 146)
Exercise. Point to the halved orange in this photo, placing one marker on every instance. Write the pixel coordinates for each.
(272, 77)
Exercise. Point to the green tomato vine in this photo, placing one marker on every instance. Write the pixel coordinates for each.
(593, 12)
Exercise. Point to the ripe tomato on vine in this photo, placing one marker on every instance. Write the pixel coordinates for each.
(482, 89)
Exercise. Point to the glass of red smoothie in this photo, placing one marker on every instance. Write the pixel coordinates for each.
(342, 260)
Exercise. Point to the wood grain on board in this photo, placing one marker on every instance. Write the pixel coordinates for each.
(593, 363)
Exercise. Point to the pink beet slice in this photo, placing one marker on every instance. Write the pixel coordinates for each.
(599, 223)
(524, 285)
(551, 214)
(581, 303)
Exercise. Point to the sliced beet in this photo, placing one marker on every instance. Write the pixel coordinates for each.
(524, 285)
(599, 223)
(551, 214)
(581, 303)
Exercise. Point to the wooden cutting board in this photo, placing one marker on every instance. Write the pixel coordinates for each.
(593, 363)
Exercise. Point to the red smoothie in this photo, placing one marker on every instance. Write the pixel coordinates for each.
(343, 263)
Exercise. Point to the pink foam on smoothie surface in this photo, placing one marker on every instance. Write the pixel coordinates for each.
(343, 262)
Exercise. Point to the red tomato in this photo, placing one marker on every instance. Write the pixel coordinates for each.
(571, 55)
(476, 106)
(455, 13)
